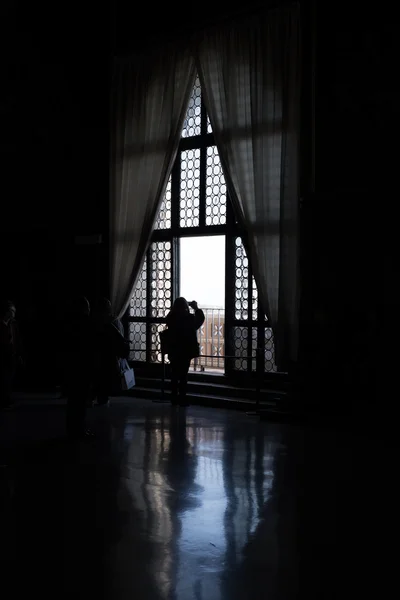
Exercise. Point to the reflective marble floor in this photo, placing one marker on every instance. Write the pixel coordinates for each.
(188, 504)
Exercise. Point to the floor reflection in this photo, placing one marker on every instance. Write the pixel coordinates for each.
(200, 491)
(164, 504)
(147, 487)
(207, 505)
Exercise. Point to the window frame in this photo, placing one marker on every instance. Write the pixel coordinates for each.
(231, 229)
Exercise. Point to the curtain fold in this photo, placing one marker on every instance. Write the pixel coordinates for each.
(250, 77)
(149, 97)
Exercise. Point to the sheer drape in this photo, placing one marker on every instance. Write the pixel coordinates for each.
(249, 73)
(148, 104)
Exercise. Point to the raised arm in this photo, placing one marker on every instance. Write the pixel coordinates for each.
(199, 317)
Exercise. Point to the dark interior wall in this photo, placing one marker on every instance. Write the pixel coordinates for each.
(54, 151)
(54, 159)
(350, 233)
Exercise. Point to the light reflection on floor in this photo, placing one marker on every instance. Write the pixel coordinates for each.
(201, 495)
(214, 506)
(164, 504)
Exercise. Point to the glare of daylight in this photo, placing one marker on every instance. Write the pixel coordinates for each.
(202, 270)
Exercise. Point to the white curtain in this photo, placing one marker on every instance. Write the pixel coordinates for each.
(148, 104)
(250, 73)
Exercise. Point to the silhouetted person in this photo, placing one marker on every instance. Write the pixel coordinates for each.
(111, 347)
(9, 351)
(103, 312)
(79, 344)
(182, 344)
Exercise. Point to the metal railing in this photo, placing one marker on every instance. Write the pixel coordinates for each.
(212, 342)
(211, 338)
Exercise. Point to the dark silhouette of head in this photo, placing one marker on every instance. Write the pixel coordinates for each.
(180, 306)
(7, 310)
(80, 307)
(103, 308)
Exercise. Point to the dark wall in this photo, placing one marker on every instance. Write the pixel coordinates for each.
(54, 146)
(54, 158)
(350, 235)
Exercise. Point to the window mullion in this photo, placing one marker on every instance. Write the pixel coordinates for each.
(203, 175)
(175, 193)
(203, 164)
(148, 304)
(203, 119)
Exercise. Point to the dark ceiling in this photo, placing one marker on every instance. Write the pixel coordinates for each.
(134, 27)
(119, 27)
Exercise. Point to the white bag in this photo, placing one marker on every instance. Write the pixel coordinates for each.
(127, 375)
